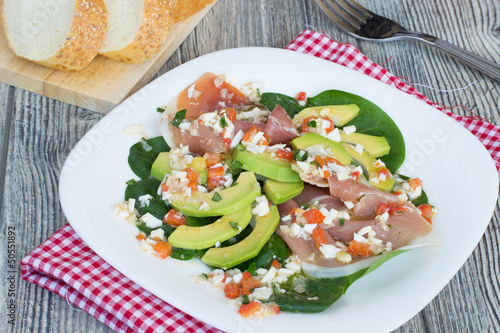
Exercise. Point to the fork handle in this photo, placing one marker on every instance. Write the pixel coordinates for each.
(485, 66)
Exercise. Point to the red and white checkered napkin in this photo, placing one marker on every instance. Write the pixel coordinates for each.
(65, 265)
(348, 55)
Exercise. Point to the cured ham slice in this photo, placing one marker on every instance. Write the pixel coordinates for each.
(203, 140)
(312, 193)
(352, 190)
(279, 126)
(209, 93)
(244, 126)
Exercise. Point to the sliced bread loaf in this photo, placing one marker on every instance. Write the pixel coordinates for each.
(136, 28)
(63, 34)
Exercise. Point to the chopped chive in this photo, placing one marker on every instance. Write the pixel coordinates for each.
(223, 122)
(300, 155)
(276, 290)
(312, 123)
(233, 225)
(179, 116)
(252, 269)
(216, 197)
(160, 110)
(204, 275)
(244, 299)
(341, 222)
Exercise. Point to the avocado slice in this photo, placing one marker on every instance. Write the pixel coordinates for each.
(375, 145)
(197, 238)
(266, 165)
(366, 160)
(280, 192)
(230, 256)
(161, 166)
(339, 114)
(242, 193)
(311, 139)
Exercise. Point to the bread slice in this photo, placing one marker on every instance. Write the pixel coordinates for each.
(136, 28)
(185, 8)
(65, 35)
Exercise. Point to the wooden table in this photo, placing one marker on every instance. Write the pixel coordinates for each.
(37, 134)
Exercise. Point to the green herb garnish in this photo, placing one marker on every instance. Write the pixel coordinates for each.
(235, 168)
(160, 110)
(300, 155)
(252, 269)
(223, 122)
(341, 222)
(304, 206)
(244, 299)
(204, 275)
(312, 123)
(216, 197)
(276, 290)
(179, 116)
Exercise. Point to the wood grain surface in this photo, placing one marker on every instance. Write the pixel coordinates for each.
(37, 134)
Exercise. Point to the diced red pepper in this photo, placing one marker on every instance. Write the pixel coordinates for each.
(384, 171)
(215, 182)
(319, 237)
(284, 154)
(232, 290)
(355, 174)
(248, 284)
(331, 127)
(301, 96)
(162, 249)
(141, 237)
(251, 132)
(231, 114)
(274, 308)
(247, 310)
(426, 212)
(358, 248)
(333, 160)
(414, 183)
(174, 218)
(215, 172)
(164, 187)
(276, 264)
(313, 216)
(212, 159)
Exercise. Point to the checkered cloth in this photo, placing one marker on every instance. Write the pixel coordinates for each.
(65, 265)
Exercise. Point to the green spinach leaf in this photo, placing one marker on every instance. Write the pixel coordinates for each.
(290, 104)
(422, 199)
(371, 120)
(275, 248)
(157, 207)
(143, 154)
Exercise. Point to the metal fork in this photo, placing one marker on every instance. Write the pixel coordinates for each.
(361, 23)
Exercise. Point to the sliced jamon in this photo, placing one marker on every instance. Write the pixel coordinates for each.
(203, 140)
(352, 190)
(312, 193)
(209, 93)
(279, 126)
(244, 126)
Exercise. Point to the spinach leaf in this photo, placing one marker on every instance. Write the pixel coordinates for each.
(275, 248)
(371, 120)
(157, 207)
(422, 199)
(143, 154)
(290, 104)
(183, 254)
(306, 294)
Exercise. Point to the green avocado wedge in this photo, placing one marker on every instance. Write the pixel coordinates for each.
(371, 120)
(280, 192)
(161, 166)
(230, 256)
(242, 193)
(377, 146)
(339, 114)
(366, 161)
(197, 238)
(311, 139)
(265, 165)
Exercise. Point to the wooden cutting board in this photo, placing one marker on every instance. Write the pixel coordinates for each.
(100, 86)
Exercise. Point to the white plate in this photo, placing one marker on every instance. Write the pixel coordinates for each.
(459, 177)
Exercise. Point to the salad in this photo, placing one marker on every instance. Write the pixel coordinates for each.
(289, 200)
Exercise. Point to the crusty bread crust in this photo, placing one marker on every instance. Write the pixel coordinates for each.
(157, 20)
(85, 38)
(185, 8)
